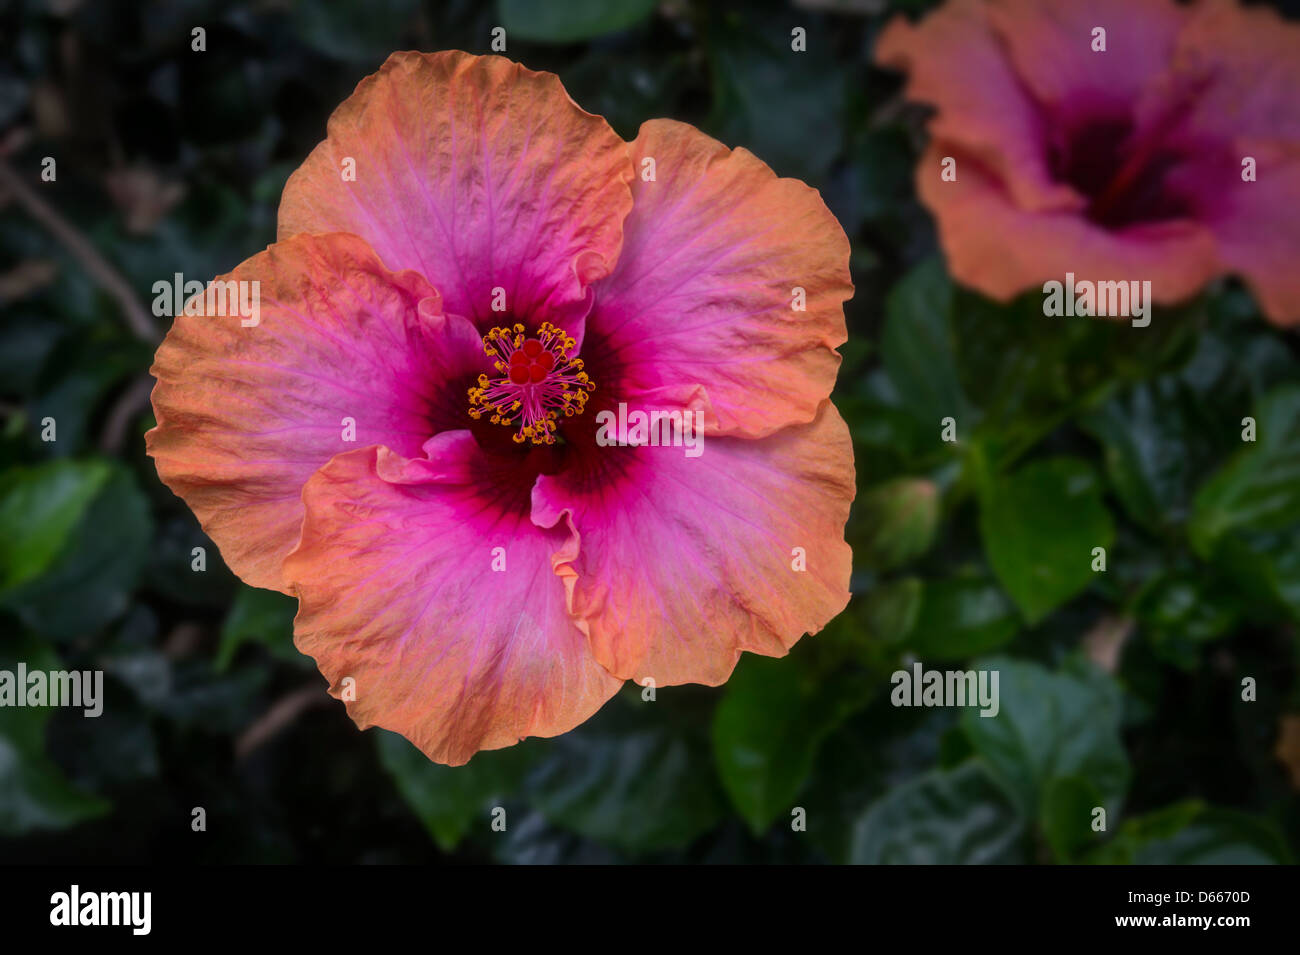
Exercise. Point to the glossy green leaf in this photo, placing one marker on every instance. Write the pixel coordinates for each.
(961, 618)
(39, 508)
(1040, 526)
(767, 731)
(1068, 816)
(944, 817)
(1190, 833)
(1219, 837)
(1259, 488)
(1153, 446)
(1179, 613)
(34, 792)
(451, 800)
(263, 617)
(1051, 725)
(919, 349)
(99, 563)
(630, 778)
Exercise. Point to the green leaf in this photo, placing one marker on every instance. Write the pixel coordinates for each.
(1281, 570)
(630, 779)
(782, 105)
(1259, 488)
(954, 748)
(449, 800)
(34, 793)
(890, 610)
(962, 618)
(767, 731)
(874, 750)
(1219, 837)
(918, 347)
(945, 817)
(263, 617)
(895, 522)
(572, 20)
(1031, 373)
(1238, 357)
(1190, 833)
(1067, 815)
(39, 507)
(886, 437)
(1050, 725)
(1153, 446)
(1039, 527)
(100, 562)
(1180, 612)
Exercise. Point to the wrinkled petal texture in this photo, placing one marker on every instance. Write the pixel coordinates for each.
(454, 586)
(1049, 43)
(955, 60)
(705, 290)
(1247, 65)
(1258, 233)
(247, 414)
(1210, 83)
(1002, 249)
(1248, 60)
(397, 591)
(477, 173)
(687, 561)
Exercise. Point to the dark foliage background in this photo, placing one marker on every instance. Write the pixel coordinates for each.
(1119, 689)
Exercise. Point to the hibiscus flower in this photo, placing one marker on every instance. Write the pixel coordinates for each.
(469, 271)
(1115, 139)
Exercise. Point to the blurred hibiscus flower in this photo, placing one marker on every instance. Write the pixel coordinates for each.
(470, 270)
(1165, 148)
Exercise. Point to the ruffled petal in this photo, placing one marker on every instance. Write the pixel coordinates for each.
(476, 172)
(713, 252)
(1050, 43)
(956, 62)
(1002, 250)
(1241, 67)
(344, 354)
(687, 561)
(401, 606)
(1257, 226)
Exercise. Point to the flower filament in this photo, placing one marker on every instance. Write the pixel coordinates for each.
(537, 382)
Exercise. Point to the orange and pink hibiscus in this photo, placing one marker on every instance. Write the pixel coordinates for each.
(468, 268)
(1114, 139)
